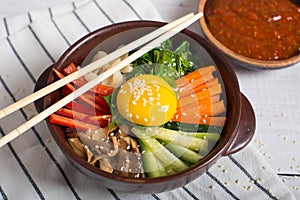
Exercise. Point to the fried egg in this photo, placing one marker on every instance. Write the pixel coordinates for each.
(146, 100)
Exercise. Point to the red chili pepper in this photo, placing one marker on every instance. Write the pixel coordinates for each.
(85, 98)
(73, 105)
(71, 68)
(99, 89)
(101, 120)
(72, 123)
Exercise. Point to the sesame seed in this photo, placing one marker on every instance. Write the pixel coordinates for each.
(152, 118)
(248, 187)
(137, 176)
(164, 108)
(294, 142)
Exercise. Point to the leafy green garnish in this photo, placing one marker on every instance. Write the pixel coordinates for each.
(164, 55)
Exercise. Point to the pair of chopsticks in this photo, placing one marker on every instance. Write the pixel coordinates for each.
(149, 41)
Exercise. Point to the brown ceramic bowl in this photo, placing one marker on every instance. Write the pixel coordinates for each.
(237, 132)
(235, 57)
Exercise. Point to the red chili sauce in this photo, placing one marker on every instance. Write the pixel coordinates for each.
(259, 29)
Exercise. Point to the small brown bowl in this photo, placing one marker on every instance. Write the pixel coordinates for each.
(236, 134)
(237, 58)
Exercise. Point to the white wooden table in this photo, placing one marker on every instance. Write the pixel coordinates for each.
(275, 96)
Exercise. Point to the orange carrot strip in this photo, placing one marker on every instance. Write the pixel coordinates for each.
(195, 83)
(215, 98)
(213, 121)
(207, 109)
(216, 108)
(188, 90)
(204, 70)
(203, 94)
(71, 123)
(197, 74)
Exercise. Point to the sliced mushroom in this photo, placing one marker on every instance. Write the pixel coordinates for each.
(89, 154)
(105, 165)
(96, 147)
(78, 147)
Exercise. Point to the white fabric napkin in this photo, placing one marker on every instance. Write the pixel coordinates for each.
(32, 166)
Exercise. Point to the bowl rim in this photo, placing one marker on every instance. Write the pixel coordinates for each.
(250, 62)
(208, 160)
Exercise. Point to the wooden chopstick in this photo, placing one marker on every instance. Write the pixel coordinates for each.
(91, 67)
(53, 108)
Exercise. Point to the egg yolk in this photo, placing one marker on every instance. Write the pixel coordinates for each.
(146, 100)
